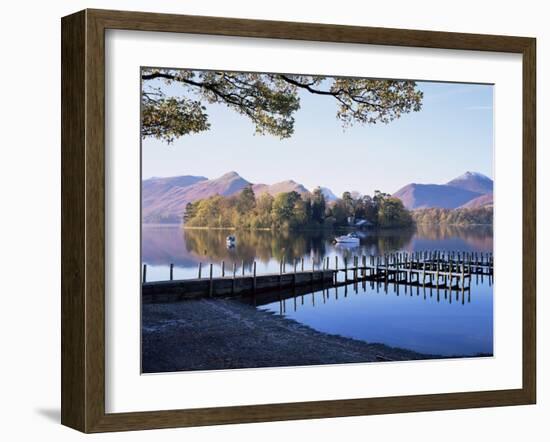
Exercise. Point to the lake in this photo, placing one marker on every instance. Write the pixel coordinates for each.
(427, 321)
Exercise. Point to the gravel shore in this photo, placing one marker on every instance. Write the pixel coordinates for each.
(215, 334)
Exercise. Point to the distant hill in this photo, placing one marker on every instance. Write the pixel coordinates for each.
(456, 193)
(328, 194)
(473, 181)
(481, 201)
(424, 196)
(164, 199)
(283, 186)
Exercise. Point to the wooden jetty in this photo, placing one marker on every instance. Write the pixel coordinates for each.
(431, 269)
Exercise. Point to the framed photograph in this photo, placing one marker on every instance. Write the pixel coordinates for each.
(268, 221)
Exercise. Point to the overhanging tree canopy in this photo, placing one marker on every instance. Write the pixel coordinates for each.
(268, 100)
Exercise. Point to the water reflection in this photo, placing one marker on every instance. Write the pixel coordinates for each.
(427, 320)
(165, 245)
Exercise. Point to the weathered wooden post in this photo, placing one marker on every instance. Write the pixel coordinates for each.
(200, 270)
(223, 269)
(233, 280)
(345, 269)
(144, 273)
(242, 265)
(254, 280)
(171, 272)
(211, 290)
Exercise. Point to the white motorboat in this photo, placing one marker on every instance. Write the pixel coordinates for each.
(350, 238)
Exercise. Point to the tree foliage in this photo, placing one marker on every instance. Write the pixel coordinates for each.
(269, 101)
(290, 210)
(481, 215)
(392, 213)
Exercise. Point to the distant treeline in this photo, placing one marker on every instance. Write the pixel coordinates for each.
(460, 217)
(290, 210)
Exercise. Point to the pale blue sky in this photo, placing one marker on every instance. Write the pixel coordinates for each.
(452, 134)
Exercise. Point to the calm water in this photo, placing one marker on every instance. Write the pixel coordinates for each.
(424, 321)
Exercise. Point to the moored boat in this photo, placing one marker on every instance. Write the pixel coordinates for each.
(350, 238)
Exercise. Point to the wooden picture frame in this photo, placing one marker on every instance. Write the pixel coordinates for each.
(83, 220)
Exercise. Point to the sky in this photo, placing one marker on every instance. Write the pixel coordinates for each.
(452, 134)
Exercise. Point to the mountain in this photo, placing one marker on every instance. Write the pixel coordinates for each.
(226, 185)
(328, 194)
(424, 196)
(456, 193)
(473, 181)
(481, 201)
(164, 199)
(283, 186)
(154, 189)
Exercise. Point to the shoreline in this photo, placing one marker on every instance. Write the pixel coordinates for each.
(220, 334)
(318, 229)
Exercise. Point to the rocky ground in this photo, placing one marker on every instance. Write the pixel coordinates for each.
(214, 334)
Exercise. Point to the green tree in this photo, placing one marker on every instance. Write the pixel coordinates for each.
(379, 198)
(246, 200)
(300, 216)
(269, 101)
(264, 205)
(282, 212)
(208, 212)
(338, 213)
(392, 213)
(367, 209)
(464, 216)
(318, 206)
(348, 204)
(190, 212)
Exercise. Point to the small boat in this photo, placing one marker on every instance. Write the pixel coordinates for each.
(230, 241)
(350, 238)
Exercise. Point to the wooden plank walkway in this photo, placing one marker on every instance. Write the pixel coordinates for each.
(433, 269)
